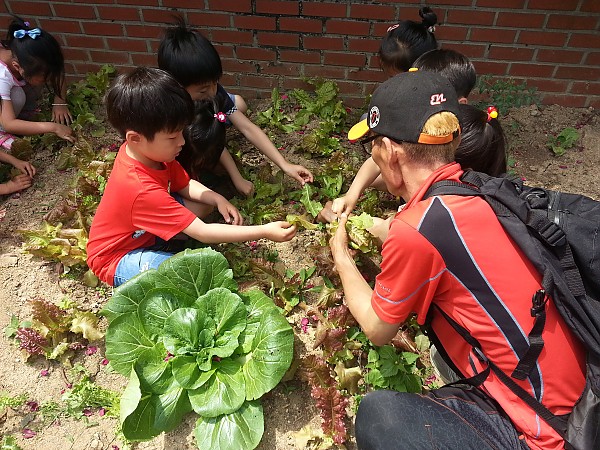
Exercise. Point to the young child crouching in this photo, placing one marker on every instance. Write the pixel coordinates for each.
(149, 197)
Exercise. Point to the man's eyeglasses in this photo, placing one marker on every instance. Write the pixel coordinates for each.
(366, 143)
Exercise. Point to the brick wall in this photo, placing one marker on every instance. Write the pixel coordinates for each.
(553, 44)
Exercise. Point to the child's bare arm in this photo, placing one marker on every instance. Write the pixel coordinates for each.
(262, 142)
(365, 176)
(197, 192)
(241, 184)
(215, 233)
(11, 124)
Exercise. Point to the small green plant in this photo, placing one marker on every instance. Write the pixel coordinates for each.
(390, 369)
(505, 93)
(565, 140)
(189, 342)
(275, 116)
(9, 443)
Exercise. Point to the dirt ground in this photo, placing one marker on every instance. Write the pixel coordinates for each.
(289, 407)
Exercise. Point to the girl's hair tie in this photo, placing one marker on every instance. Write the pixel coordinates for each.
(492, 113)
(33, 34)
(431, 29)
(221, 117)
(393, 27)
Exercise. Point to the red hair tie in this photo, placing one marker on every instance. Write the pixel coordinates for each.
(492, 113)
(221, 117)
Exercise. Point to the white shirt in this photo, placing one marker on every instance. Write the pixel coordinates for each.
(11, 89)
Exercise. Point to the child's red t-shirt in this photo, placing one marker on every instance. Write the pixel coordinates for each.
(136, 207)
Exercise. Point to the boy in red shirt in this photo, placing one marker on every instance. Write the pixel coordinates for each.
(149, 198)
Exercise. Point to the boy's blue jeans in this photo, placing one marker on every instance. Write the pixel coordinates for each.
(142, 259)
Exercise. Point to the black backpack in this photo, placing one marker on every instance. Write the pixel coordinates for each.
(560, 234)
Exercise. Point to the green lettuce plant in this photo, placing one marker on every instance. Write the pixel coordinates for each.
(188, 341)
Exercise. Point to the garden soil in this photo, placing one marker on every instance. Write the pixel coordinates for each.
(289, 407)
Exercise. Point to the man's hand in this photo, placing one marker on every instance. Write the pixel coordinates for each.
(279, 231)
(343, 205)
(229, 212)
(298, 172)
(339, 242)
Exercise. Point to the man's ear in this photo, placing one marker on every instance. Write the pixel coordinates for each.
(393, 152)
(133, 137)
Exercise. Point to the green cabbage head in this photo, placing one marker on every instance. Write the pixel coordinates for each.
(188, 341)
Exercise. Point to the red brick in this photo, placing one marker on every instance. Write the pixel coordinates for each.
(143, 59)
(253, 53)
(512, 4)
(593, 59)
(117, 58)
(254, 22)
(127, 45)
(90, 42)
(578, 73)
(224, 51)
(363, 45)
(510, 53)
(563, 5)
(23, 9)
(228, 80)
(122, 14)
(344, 59)
(471, 17)
(235, 37)
(323, 43)
(286, 69)
(453, 3)
(236, 66)
(571, 101)
(590, 6)
(584, 41)
(493, 35)
(230, 5)
(585, 88)
(469, 50)
(300, 56)
(144, 31)
(531, 70)
(347, 27)
(347, 87)
(371, 12)
(541, 38)
(594, 103)
(300, 24)
(74, 11)
(295, 83)
(258, 81)
(449, 33)
(56, 26)
(520, 20)
(548, 85)
(208, 19)
(490, 67)
(324, 9)
(559, 56)
(85, 68)
(148, 3)
(75, 54)
(367, 75)
(182, 4)
(277, 7)
(354, 102)
(278, 39)
(329, 72)
(564, 22)
(87, 2)
(102, 28)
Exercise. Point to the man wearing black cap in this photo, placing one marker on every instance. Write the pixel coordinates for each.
(413, 129)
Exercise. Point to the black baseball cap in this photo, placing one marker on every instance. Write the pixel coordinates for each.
(401, 105)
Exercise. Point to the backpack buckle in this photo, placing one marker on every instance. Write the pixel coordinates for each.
(553, 234)
(539, 301)
(479, 354)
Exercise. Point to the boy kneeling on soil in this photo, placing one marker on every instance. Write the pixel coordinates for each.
(149, 198)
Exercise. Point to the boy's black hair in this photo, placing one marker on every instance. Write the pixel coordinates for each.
(483, 143)
(148, 100)
(39, 56)
(204, 138)
(189, 56)
(407, 41)
(453, 65)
